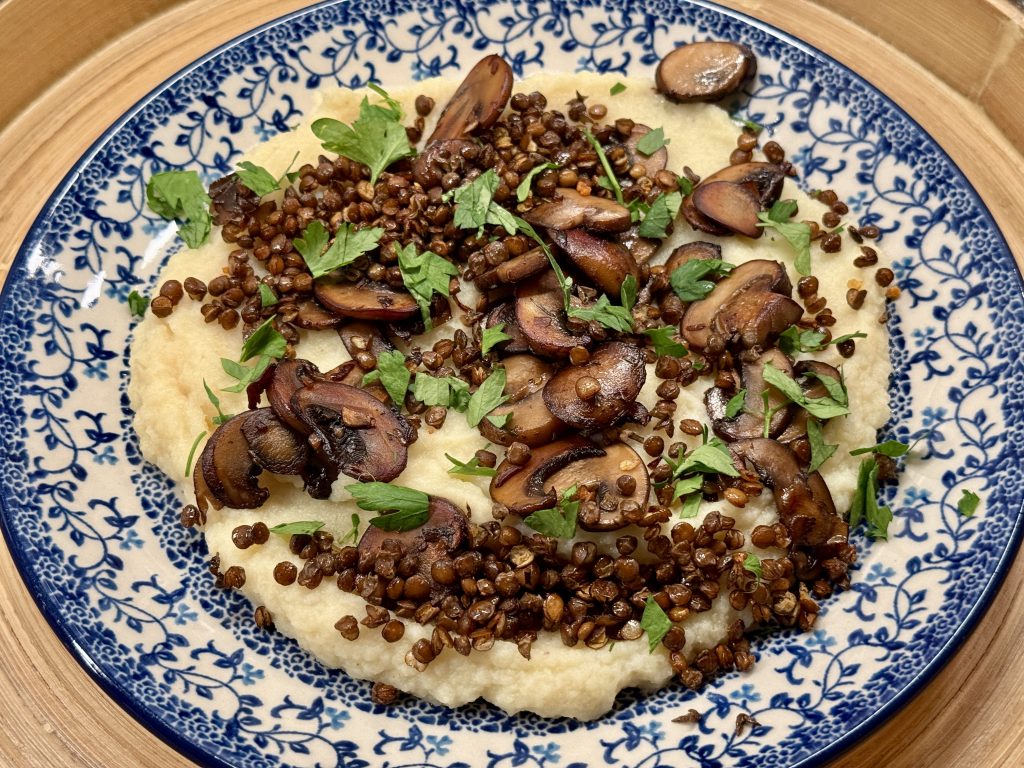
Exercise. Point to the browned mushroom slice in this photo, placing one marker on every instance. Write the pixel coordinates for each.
(572, 210)
(600, 476)
(313, 317)
(697, 250)
(812, 388)
(505, 314)
(531, 422)
(478, 101)
(749, 423)
(611, 379)
(734, 206)
(366, 300)
(273, 445)
(228, 470)
(444, 534)
(766, 178)
(699, 221)
(362, 336)
(705, 71)
(805, 507)
(288, 377)
(607, 264)
(524, 489)
(756, 318)
(652, 163)
(754, 275)
(541, 318)
(441, 157)
(642, 248)
(515, 269)
(352, 432)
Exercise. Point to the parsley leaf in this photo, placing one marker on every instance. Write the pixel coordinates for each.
(559, 521)
(424, 275)
(256, 178)
(192, 453)
(890, 448)
(220, 418)
(796, 233)
(689, 279)
(137, 303)
(664, 343)
(352, 537)
(654, 622)
(616, 89)
(652, 141)
(376, 139)
(401, 520)
(735, 404)
(968, 503)
(492, 336)
(628, 292)
(661, 214)
(488, 396)
(822, 407)
(267, 296)
(243, 374)
(685, 185)
(265, 340)
(820, 450)
(795, 340)
(607, 314)
(689, 489)
(711, 458)
(181, 195)
(526, 185)
(385, 497)
(471, 467)
(350, 242)
(752, 563)
(612, 179)
(750, 125)
(394, 375)
(298, 528)
(475, 206)
(432, 390)
(865, 502)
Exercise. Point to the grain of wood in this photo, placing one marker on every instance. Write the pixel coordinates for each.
(54, 715)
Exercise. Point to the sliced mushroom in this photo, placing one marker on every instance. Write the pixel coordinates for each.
(697, 250)
(607, 264)
(699, 221)
(734, 206)
(572, 210)
(366, 300)
(288, 376)
(505, 314)
(705, 71)
(313, 317)
(272, 444)
(352, 432)
(749, 423)
(441, 157)
(641, 248)
(524, 489)
(805, 506)
(444, 534)
(228, 470)
(765, 178)
(654, 162)
(600, 476)
(478, 101)
(362, 336)
(540, 315)
(515, 269)
(755, 275)
(756, 318)
(531, 422)
(617, 370)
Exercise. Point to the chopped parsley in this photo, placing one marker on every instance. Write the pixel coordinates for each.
(244, 375)
(300, 528)
(865, 502)
(475, 205)
(181, 195)
(265, 340)
(493, 336)
(652, 141)
(654, 622)
(471, 467)
(752, 563)
(607, 314)
(796, 233)
(660, 215)
(256, 178)
(526, 185)
(488, 396)
(403, 508)
(376, 139)
(220, 418)
(446, 391)
(834, 404)
(891, 448)
(352, 537)
(628, 293)
(711, 458)
(393, 375)
(664, 342)
(267, 296)
(137, 303)
(820, 450)
(192, 453)
(795, 340)
(424, 275)
(735, 404)
(689, 489)
(559, 521)
(613, 181)
(689, 280)
(616, 89)
(968, 503)
(350, 242)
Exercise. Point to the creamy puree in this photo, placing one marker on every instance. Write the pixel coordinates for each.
(172, 357)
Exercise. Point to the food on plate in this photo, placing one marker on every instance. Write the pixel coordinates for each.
(555, 401)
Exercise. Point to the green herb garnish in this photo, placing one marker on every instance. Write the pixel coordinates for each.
(424, 275)
(559, 521)
(394, 376)
(664, 342)
(256, 178)
(352, 537)
(752, 563)
(616, 89)
(820, 450)
(654, 622)
(968, 503)
(891, 448)
(607, 314)
(628, 292)
(652, 141)
(690, 282)
(526, 185)
(796, 233)
(613, 180)
(835, 404)
(220, 418)
(404, 508)
(350, 242)
(192, 453)
(181, 195)
(865, 502)
(265, 340)
(299, 528)
(471, 467)
(267, 296)
(661, 214)
(735, 404)
(243, 374)
(492, 336)
(137, 303)
(488, 396)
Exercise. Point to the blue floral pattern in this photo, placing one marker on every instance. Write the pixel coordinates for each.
(90, 522)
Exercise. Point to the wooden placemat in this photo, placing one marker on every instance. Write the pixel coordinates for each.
(55, 715)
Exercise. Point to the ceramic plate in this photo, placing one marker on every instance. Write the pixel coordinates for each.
(93, 528)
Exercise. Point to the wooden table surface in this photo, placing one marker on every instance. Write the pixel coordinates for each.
(957, 66)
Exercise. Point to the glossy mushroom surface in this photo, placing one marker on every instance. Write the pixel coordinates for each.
(478, 101)
(619, 371)
(705, 71)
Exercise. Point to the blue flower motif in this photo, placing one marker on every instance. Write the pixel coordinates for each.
(183, 614)
(440, 744)
(932, 416)
(746, 693)
(97, 370)
(819, 639)
(546, 752)
(250, 674)
(132, 541)
(923, 336)
(106, 456)
(880, 572)
(336, 717)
